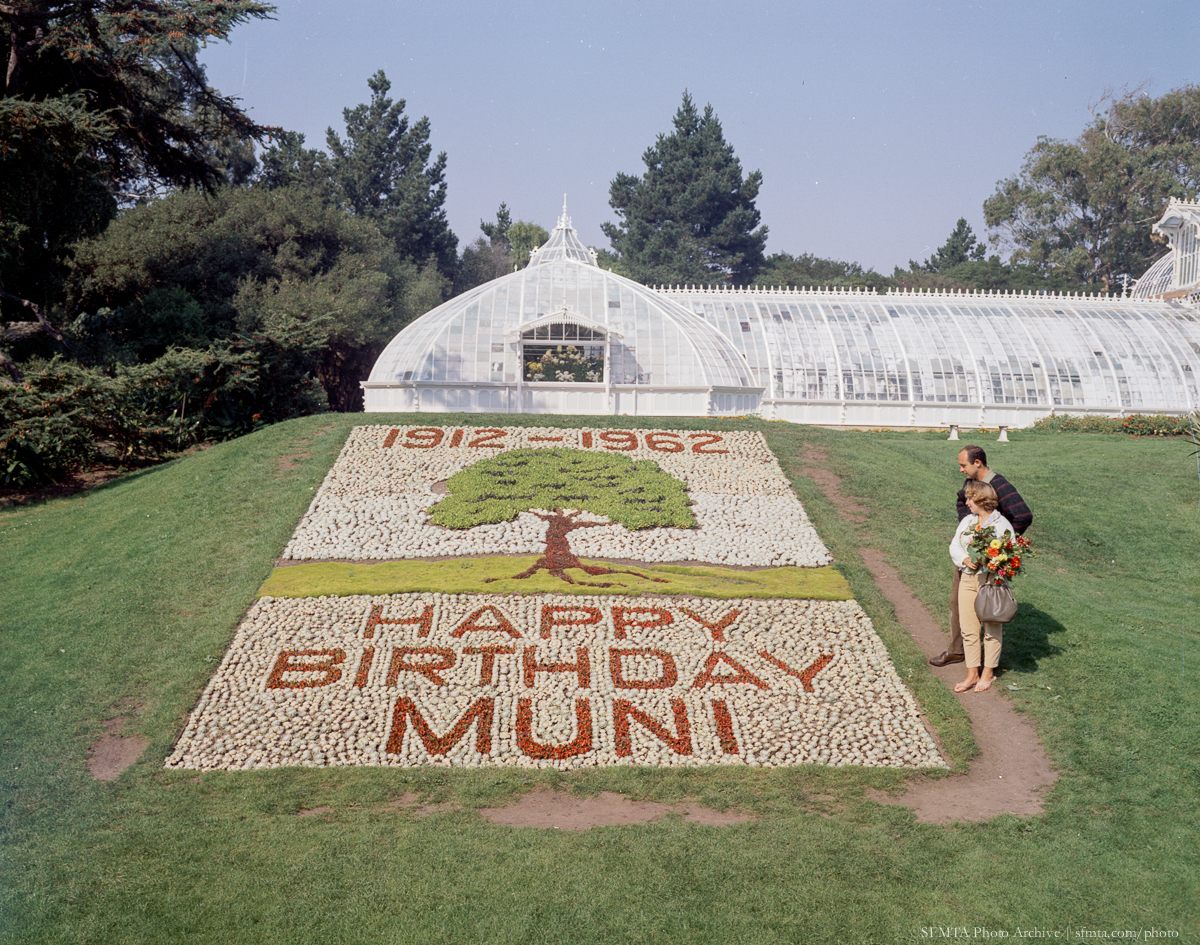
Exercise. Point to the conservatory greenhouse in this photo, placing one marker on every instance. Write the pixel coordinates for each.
(565, 336)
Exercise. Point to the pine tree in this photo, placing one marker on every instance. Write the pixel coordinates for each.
(382, 171)
(960, 247)
(691, 217)
(104, 102)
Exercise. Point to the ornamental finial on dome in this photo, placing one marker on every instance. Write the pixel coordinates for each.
(564, 243)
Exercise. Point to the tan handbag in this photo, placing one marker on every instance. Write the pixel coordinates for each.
(994, 603)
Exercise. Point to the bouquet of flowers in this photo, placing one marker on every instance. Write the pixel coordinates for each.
(1001, 559)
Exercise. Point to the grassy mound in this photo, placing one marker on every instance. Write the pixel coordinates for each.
(117, 604)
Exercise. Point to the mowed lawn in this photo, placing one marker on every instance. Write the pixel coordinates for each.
(118, 604)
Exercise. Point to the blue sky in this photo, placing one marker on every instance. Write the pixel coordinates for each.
(876, 125)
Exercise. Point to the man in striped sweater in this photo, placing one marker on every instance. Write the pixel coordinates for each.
(972, 462)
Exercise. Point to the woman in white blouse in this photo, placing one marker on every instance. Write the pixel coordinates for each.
(982, 501)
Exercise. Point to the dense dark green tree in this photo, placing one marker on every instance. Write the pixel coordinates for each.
(497, 232)
(489, 257)
(132, 67)
(1084, 208)
(988, 275)
(691, 217)
(192, 270)
(382, 171)
(507, 247)
(960, 247)
(482, 262)
(288, 163)
(104, 101)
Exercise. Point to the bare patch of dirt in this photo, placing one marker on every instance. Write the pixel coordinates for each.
(1012, 772)
(85, 480)
(557, 810)
(411, 801)
(73, 485)
(112, 752)
(290, 462)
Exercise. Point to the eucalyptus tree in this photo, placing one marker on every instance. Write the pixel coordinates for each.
(1084, 208)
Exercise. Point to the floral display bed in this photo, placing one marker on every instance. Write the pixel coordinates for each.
(567, 646)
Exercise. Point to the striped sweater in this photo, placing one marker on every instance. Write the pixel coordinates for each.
(1012, 506)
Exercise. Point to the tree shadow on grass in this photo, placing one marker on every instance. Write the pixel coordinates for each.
(1027, 639)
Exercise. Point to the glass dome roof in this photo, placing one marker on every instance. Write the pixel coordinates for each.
(1157, 280)
(478, 337)
(564, 243)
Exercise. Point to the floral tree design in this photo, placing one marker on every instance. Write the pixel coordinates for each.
(559, 485)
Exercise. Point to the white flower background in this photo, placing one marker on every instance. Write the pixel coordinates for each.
(416, 679)
(373, 502)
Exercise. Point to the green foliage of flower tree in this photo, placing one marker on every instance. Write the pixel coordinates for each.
(525, 237)
(1084, 208)
(691, 217)
(558, 485)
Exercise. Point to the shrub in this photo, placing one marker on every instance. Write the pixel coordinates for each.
(1134, 425)
(1156, 425)
(63, 417)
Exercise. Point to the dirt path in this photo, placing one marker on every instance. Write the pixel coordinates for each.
(1012, 772)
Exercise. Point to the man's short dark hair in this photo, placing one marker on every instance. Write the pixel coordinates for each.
(975, 454)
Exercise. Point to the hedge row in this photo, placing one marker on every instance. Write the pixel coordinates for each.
(1134, 425)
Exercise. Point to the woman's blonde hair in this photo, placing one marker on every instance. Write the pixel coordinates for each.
(982, 495)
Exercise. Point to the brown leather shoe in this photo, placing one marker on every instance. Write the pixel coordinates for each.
(946, 658)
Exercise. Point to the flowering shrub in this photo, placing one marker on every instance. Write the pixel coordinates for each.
(1156, 425)
(568, 364)
(1134, 425)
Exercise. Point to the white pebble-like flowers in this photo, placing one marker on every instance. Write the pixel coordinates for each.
(554, 681)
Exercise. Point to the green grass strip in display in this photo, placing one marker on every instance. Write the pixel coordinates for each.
(467, 575)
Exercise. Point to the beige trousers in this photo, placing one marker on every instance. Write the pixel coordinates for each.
(992, 633)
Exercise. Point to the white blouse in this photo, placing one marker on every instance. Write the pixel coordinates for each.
(961, 542)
